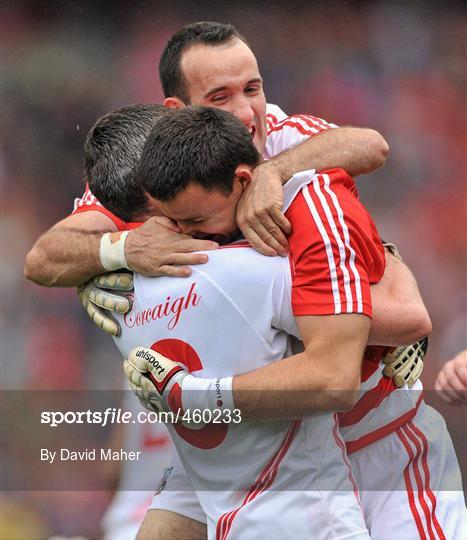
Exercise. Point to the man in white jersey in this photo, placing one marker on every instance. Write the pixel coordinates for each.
(190, 201)
(111, 152)
(281, 479)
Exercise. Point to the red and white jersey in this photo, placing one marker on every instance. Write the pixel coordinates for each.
(326, 209)
(225, 320)
(284, 132)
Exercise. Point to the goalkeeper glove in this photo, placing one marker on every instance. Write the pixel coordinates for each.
(404, 365)
(104, 294)
(163, 385)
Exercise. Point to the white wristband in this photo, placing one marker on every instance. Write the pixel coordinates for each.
(210, 394)
(112, 251)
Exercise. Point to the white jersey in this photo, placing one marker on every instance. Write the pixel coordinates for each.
(286, 132)
(218, 325)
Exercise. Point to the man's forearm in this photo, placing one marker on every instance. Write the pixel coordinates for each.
(399, 314)
(356, 150)
(291, 388)
(64, 258)
(67, 254)
(325, 377)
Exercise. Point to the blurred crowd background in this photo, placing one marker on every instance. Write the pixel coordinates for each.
(398, 67)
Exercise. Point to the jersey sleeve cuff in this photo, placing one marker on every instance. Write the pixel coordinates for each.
(120, 224)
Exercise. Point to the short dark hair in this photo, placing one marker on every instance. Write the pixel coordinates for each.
(207, 33)
(194, 145)
(112, 151)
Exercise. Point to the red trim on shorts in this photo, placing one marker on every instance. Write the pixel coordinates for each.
(408, 486)
(340, 443)
(426, 470)
(263, 482)
(370, 400)
(384, 431)
(415, 458)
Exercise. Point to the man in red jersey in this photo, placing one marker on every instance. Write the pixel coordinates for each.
(400, 448)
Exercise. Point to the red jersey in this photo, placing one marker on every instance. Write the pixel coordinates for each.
(336, 255)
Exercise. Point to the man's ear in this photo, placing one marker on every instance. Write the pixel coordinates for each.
(174, 103)
(244, 175)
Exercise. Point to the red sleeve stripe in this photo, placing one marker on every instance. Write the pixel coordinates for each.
(315, 121)
(342, 240)
(306, 124)
(271, 120)
(296, 123)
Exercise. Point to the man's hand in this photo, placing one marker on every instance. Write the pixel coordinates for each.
(157, 248)
(155, 379)
(259, 212)
(451, 383)
(104, 294)
(404, 365)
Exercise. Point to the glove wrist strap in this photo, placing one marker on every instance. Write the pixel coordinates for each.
(112, 251)
(210, 394)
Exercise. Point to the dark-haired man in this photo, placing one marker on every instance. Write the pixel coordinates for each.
(113, 147)
(335, 254)
(112, 151)
(213, 66)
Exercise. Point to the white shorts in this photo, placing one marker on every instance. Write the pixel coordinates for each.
(275, 515)
(175, 493)
(410, 482)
